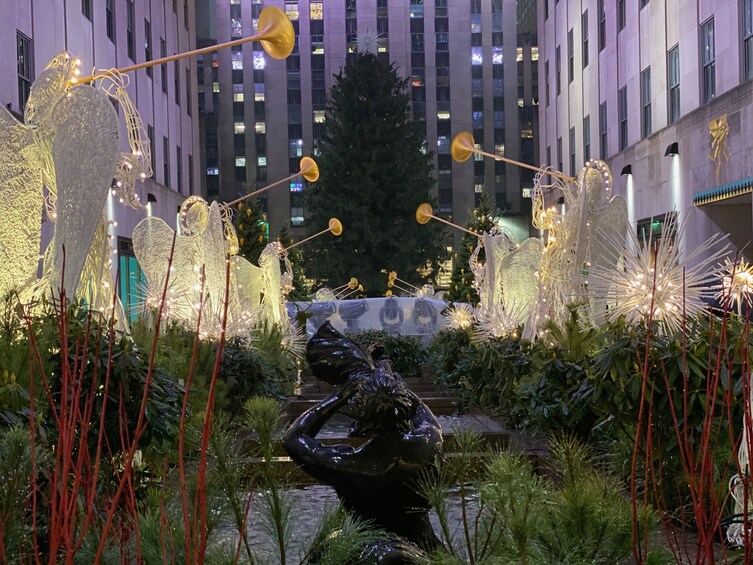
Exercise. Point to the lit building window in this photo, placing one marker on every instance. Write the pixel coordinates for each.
(261, 161)
(296, 148)
(215, 87)
(240, 161)
(443, 115)
(477, 156)
(237, 60)
(259, 96)
(259, 61)
(261, 127)
(315, 11)
(235, 28)
(237, 97)
(213, 171)
(238, 65)
(478, 188)
(477, 56)
(296, 187)
(291, 9)
(496, 55)
(240, 127)
(534, 53)
(319, 116)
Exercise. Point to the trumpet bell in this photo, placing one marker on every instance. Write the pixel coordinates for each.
(335, 226)
(309, 169)
(462, 147)
(277, 36)
(424, 213)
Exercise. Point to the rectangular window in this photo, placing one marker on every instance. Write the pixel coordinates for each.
(188, 91)
(559, 154)
(643, 3)
(572, 151)
(602, 25)
(622, 111)
(86, 9)
(179, 168)
(603, 131)
(558, 68)
(152, 148)
(570, 57)
(110, 19)
(176, 72)
(190, 174)
(148, 45)
(587, 138)
(546, 82)
(546, 9)
(163, 66)
(673, 82)
(166, 160)
(646, 102)
(25, 65)
(748, 38)
(130, 30)
(621, 15)
(584, 34)
(708, 61)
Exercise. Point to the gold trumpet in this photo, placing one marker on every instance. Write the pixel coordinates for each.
(277, 39)
(463, 146)
(309, 170)
(335, 226)
(424, 213)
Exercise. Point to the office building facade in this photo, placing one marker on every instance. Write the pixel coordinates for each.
(662, 92)
(470, 65)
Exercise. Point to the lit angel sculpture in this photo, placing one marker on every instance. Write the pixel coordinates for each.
(506, 280)
(201, 257)
(69, 144)
(577, 238)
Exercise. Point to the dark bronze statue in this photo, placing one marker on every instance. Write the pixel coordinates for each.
(376, 481)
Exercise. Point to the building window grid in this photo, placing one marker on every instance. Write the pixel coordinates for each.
(708, 61)
(646, 102)
(622, 111)
(602, 25)
(25, 64)
(621, 15)
(673, 83)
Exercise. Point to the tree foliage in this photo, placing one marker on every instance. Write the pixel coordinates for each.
(251, 228)
(375, 171)
(461, 283)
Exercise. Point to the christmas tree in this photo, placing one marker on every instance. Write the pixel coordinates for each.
(461, 284)
(252, 230)
(300, 290)
(375, 171)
